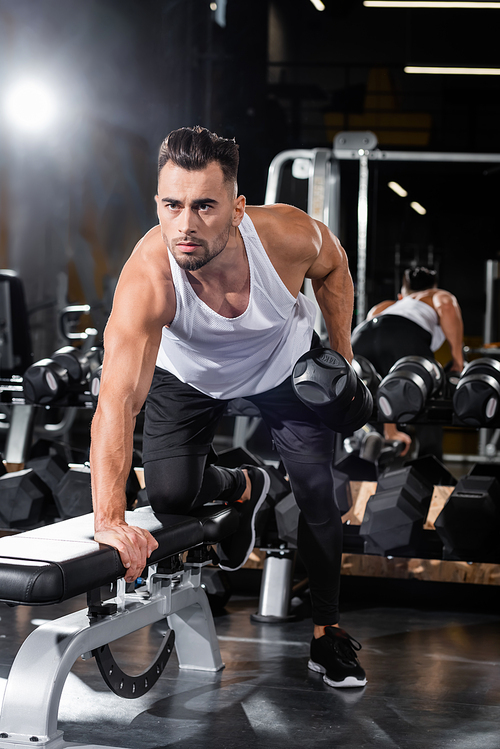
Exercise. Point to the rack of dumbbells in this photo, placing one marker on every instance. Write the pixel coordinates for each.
(416, 510)
(406, 518)
(45, 486)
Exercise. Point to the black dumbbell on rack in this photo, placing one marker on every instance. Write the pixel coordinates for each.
(405, 390)
(67, 371)
(476, 400)
(329, 386)
(366, 372)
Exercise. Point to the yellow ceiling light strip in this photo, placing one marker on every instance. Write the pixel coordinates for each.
(435, 70)
(430, 4)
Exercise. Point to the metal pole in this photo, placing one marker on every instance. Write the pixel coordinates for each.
(275, 170)
(362, 236)
(490, 319)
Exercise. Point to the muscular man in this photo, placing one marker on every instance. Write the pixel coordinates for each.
(417, 324)
(208, 308)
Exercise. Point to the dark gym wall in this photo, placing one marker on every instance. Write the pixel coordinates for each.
(278, 75)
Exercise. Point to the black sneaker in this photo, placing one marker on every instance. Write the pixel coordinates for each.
(334, 656)
(234, 550)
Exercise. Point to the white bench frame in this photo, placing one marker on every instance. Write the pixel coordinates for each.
(31, 700)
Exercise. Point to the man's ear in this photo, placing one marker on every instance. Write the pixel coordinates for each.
(238, 210)
(157, 201)
(400, 296)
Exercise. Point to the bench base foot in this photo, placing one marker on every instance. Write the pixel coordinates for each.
(55, 744)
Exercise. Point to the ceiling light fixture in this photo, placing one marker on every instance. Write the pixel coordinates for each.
(30, 105)
(430, 4)
(418, 208)
(397, 189)
(318, 4)
(435, 70)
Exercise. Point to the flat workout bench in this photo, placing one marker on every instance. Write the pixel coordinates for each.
(54, 563)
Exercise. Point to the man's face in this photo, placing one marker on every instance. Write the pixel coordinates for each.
(196, 213)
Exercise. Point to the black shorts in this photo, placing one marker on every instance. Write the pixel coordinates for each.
(180, 420)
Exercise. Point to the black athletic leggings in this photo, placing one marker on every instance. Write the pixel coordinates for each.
(176, 483)
(385, 339)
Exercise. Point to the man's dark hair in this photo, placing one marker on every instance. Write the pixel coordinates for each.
(419, 279)
(194, 148)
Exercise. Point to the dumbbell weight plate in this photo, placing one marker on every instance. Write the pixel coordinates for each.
(477, 395)
(485, 365)
(401, 396)
(429, 370)
(366, 372)
(476, 400)
(45, 382)
(72, 359)
(358, 412)
(321, 376)
(327, 384)
(95, 385)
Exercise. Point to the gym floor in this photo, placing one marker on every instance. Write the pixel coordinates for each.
(431, 652)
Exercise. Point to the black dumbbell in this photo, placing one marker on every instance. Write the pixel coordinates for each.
(45, 381)
(68, 370)
(95, 384)
(469, 523)
(394, 516)
(23, 499)
(366, 372)
(404, 391)
(74, 361)
(329, 386)
(476, 399)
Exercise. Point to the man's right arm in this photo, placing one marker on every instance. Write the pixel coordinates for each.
(450, 319)
(131, 342)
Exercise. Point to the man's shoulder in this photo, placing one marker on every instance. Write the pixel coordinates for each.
(282, 224)
(277, 214)
(150, 255)
(150, 243)
(148, 265)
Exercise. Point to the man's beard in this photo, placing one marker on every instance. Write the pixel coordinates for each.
(191, 262)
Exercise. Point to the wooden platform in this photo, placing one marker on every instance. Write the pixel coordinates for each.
(435, 570)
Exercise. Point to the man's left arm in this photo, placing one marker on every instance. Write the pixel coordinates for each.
(333, 287)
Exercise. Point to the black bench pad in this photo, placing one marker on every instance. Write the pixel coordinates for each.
(56, 562)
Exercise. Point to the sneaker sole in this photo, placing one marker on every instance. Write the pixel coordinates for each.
(258, 505)
(349, 681)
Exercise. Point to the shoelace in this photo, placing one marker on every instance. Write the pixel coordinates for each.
(347, 645)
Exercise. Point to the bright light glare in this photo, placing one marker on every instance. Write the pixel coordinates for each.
(397, 189)
(429, 4)
(30, 105)
(451, 71)
(418, 208)
(318, 4)
(213, 6)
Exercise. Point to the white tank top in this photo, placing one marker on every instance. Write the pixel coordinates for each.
(422, 314)
(238, 356)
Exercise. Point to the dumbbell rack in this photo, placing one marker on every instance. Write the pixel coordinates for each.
(426, 564)
(23, 416)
